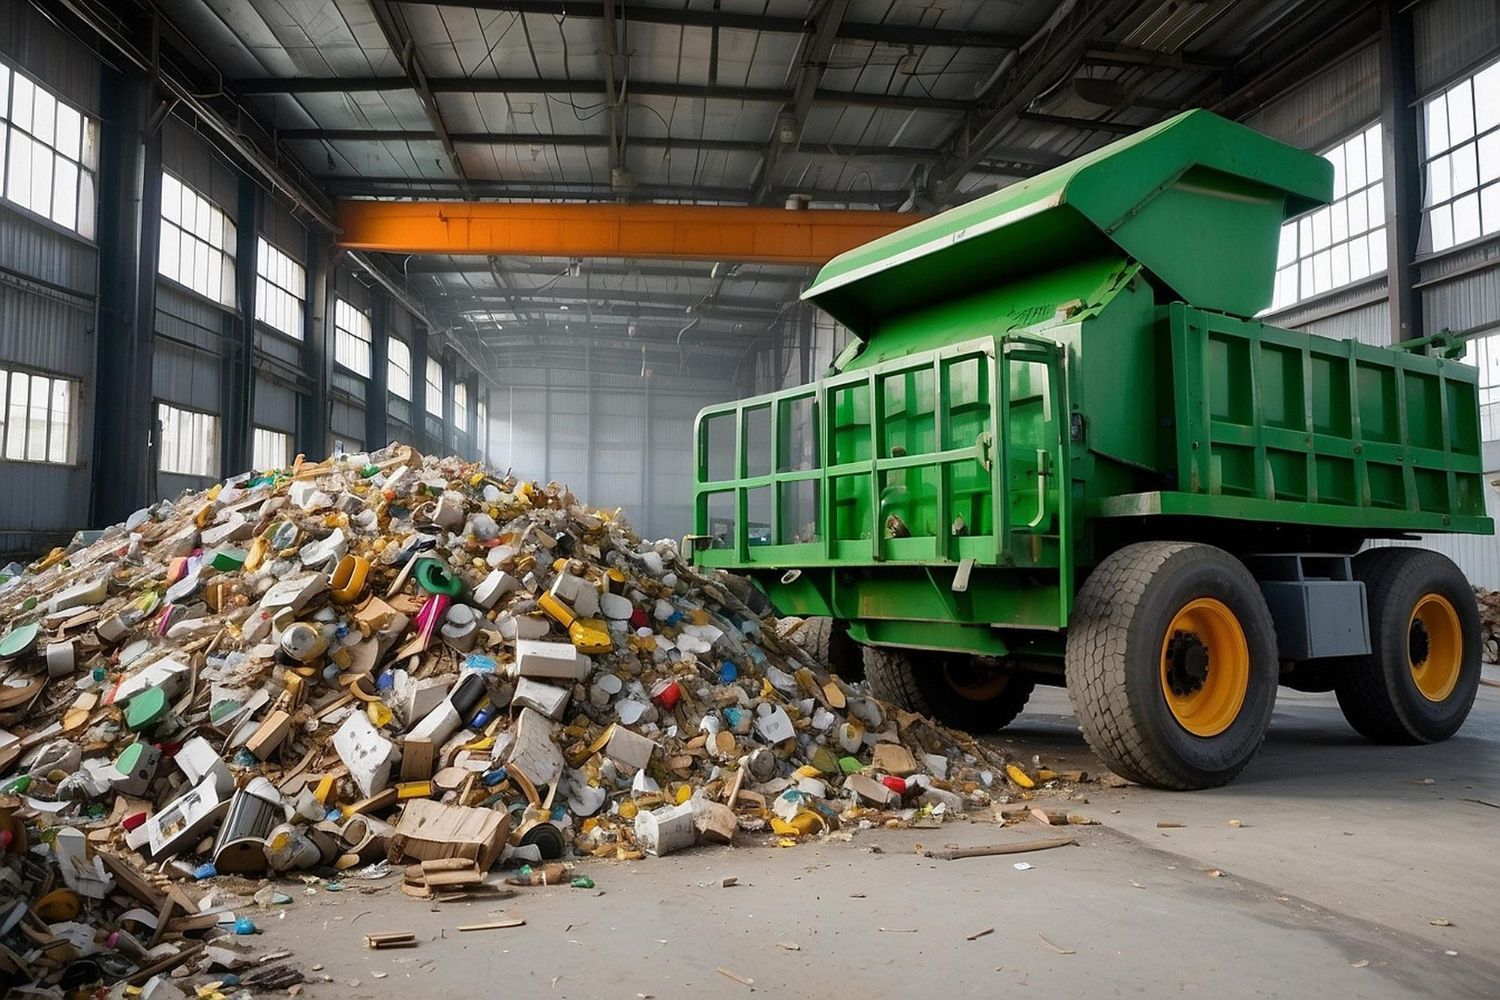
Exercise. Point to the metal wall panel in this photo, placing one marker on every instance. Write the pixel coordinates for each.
(186, 377)
(170, 486)
(47, 331)
(1327, 107)
(621, 443)
(32, 248)
(193, 159)
(1452, 37)
(1369, 324)
(275, 405)
(1466, 302)
(347, 424)
(62, 62)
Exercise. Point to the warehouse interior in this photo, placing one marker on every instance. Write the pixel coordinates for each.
(365, 624)
(178, 306)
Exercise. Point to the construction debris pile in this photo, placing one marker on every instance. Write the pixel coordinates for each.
(391, 657)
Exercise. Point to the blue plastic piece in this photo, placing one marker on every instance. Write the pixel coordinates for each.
(244, 925)
(205, 870)
(728, 672)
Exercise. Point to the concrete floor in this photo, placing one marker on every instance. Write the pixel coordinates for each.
(1346, 855)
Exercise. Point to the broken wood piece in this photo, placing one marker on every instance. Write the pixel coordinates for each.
(493, 925)
(391, 939)
(1052, 817)
(729, 973)
(990, 850)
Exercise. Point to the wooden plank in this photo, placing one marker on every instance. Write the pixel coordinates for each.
(990, 850)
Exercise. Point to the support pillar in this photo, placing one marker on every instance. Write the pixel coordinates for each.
(124, 476)
(1400, 131)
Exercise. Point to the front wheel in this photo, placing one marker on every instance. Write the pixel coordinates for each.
(1420, 678)
(957, 689)
(1172, 664)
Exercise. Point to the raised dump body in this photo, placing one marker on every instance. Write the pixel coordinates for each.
(1064, 378)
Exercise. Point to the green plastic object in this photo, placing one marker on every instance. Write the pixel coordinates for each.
(433, 577)
(850, 765)
(146, 709)
(228, 560)
(18, 641)
(1069, 364)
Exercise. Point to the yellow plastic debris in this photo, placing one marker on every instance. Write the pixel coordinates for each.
(556, 610)
(1019, 776)
(590, 636)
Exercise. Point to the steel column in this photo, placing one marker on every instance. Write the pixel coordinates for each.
(129, 234)
(377, 431)
(238, 368)
(1400, 154)
(317, 347)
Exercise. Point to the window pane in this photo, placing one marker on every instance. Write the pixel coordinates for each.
(1441, 220)
(37, 418)
(1487, 99)
(1437, 125)
(1354, 162)
(58, 434)
(41, 179)
(44, 117)
(69, 132)
(23, 102)
(1465, 171)
(1489, 209)
(65, 191)
(1460, 113)
(15, 436)
(1466, 218)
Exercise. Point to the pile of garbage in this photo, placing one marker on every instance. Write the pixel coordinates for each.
(387, 656)
(1489, 622)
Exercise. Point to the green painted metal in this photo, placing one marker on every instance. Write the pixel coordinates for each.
(1197, 199)
(1057, 369)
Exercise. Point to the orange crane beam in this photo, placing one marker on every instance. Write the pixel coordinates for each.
(545, 229)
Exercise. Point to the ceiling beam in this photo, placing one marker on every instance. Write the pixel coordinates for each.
(887, 33)
(411, 62)
(624, 300)
(899, 154)
(295, 85)
(408, 187)
(693, 232)
(1054, 52)
(551, 270)
(1082, 124)
(786, 130)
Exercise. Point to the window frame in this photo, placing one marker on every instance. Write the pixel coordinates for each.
(84, 165)
(208, 432)
(461, 407)
(258, 436)
(344, 334)
(71, 388)
(263, 280)
(1341, 253)
(431, 397)
(223, 255)
(391, 367)
(1445, 158)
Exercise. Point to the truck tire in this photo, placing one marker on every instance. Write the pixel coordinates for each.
(1418, 683)
(828, 640)
(1172, 664)
(948, 687)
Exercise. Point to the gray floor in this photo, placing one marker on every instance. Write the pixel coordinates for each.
(1346, 854)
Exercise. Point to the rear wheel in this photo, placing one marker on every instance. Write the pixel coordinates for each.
(1420, 678)
(828, 640)
(1171, 664)
(957, 689)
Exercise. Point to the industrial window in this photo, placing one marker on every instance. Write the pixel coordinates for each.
(270, 449)
(351, 338)
(280, 289)
(189, 441)
(398, 368)
(1343, 242)
(460, 406)
(36, 417)
(482, 432)
(434, 387)
(197, 242)
(1462, 161)
(50, 151)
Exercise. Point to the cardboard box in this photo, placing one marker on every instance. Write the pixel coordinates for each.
(428, 831)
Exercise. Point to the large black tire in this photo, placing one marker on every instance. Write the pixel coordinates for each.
(1382, 694)
(828, 640)
(1159, 624)
(946, 687)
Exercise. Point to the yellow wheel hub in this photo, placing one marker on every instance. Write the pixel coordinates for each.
(1435, 647)
(973, 682)
(1205, 667)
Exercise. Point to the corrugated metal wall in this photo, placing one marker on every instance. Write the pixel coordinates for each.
(48, 299)
(616, 441)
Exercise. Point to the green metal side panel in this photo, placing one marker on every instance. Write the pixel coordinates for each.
(1198, 200)
(1276, 425)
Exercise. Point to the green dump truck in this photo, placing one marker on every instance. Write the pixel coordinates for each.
(1060, 449)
